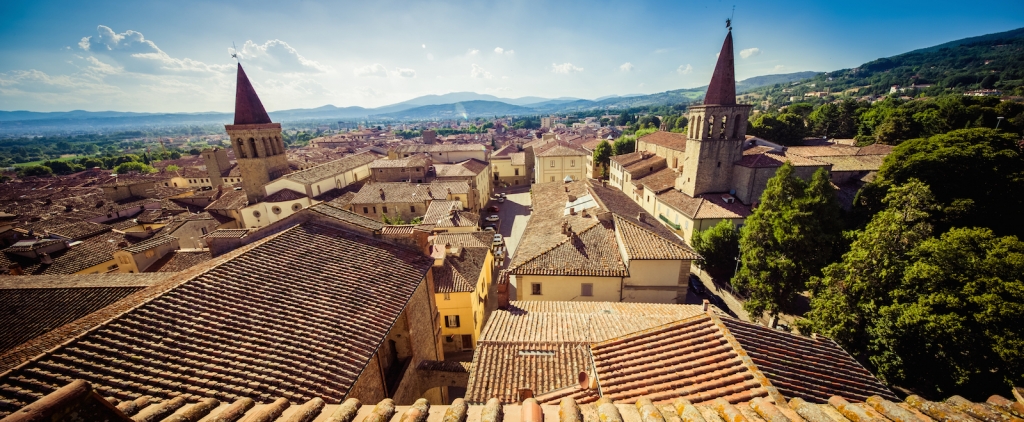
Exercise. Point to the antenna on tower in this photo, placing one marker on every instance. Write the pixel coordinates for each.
(234, 51)
(728, 22)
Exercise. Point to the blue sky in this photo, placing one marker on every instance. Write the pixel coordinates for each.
(174, 56)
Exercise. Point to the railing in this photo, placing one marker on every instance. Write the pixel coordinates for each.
(670, 224)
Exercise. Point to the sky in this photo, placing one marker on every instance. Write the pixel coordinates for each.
(175, 56)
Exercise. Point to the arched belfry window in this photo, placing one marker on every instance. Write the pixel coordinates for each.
(710, 132)
(252, 146)
(722, 126)
(697, 127)
(738, 131)
(240, 149)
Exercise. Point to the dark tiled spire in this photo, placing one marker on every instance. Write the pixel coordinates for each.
(248, 108)
(722, 90)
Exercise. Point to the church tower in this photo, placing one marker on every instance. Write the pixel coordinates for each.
(256, 140)
(716, 132)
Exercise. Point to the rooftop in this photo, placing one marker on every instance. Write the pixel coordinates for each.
(331, 169)
(670, 140)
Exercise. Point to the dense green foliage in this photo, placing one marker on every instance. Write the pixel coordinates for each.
(973, 173)
(133, 167)
(995, 62)
(602, 155)
(788, 239)
(35, 171)
(718, 247)
(938, 315)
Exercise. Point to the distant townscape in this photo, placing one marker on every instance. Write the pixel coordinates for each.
(794, 248)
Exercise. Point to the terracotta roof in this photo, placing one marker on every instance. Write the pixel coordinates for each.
(148, 244)
(79, 230)
(617, 202)
(592, 251)
(461, 271)
(30, 312)
(480, 239)
(248, 108)
(90, 252)
(283, 195)
(231, 200)
(670, 140)
(562, 151)
(505, 152)
(658, 181)
(399, 192)
(876, 149)
(709, 205)
(182, 260)
(519, 159)
(458, 219)
(286, 317)
(403, 149)
(823, 150)
(80, 281)
(641, 243)
(854, 162)
(334, 211)
(411, 161)
(722, 89)
(331, 169)
(79, 398)
(766, 159)
(650, 162)
(228, 233)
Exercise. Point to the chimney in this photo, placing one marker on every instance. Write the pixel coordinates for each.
(382, 193)
(566, 229)
(640, 216)
(773, 322)
(15, 269)
(46, 259)
(503, 302)
(572, 210)
(707, 305)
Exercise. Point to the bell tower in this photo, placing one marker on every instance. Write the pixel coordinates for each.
(259, 150)
(716, 132)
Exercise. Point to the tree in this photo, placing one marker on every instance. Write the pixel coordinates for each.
(63, 167)
(175, 155)
(896, 128)
(850, 291)
(92, 163)
(602, 155)
(786, 241)
(718, 247)
(787, 128)
(954, 323)
(171, 168)
(133, 167)
(35, 171)
(624, 145)
(972, 173)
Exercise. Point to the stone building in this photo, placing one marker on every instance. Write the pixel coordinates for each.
(462, 280)
(414, 168)
(442, 153)
(259, 150)
(509, 167)
(556, 162)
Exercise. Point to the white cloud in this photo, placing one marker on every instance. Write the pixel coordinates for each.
(750, 52)
(101, 67)
(137, 54)
(405, 73)
(278, 56)
(565, 68)
(479, 73)
(473, 52)
(779, 67)
(685, 69)
(499, 50)
(424, 46)
(373, 70)
(626, 67)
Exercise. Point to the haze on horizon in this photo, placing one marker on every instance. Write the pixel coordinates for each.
(175, 57)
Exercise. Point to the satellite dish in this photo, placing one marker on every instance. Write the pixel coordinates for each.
(584, 380)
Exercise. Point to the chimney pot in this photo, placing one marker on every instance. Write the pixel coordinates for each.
(707, 305)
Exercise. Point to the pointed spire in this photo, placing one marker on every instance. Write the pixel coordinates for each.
(722, 90)
(248, 108)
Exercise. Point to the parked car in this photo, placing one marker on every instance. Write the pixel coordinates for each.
(492, 217)
(499, 256)
(493, 208)
(502, 194)
(502, 199)
(497, 239)
(697, 285)
(489, 228)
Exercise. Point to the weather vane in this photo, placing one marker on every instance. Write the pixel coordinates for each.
(728, 22)
(234, 51)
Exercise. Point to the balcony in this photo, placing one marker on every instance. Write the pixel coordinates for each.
(669, 223)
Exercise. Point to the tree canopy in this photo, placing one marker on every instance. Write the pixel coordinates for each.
(602, 156)
(718, 247)
(789, 238)
(133, 167)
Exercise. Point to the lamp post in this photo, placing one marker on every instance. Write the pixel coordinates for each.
(998, 121)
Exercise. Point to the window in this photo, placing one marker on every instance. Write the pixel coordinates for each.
(719, 164)
(203, 229)
(451, 321)
(587, 289)
(552, 162)
(457, 198)
(572, 163)
(517, 173)
(447, 296)
(535, 289)
(385, 210)
(552, 178)
(412, 208)
(374, 210)
(366, 210)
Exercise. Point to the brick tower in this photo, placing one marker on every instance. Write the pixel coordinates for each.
(716, 133)
(256, 140)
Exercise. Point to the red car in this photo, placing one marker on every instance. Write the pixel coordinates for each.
(493, 208)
